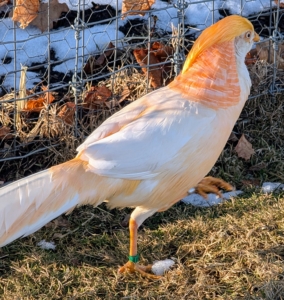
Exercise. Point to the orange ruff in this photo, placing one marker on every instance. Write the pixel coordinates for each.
(219, 86)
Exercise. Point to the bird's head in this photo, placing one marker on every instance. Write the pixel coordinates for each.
(230, 28)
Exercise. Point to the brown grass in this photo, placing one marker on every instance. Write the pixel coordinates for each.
(231, 251)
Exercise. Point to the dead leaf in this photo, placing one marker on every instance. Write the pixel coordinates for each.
(58, 235)
(36, 105)
(125, 221)
(251, 182)
(265, 53)
(59, 222)
(258, 167)
(5, 133)
(25, 12)
(55, 11)
(140, 6)
(67, 112)
(4, 2)
(96, 96)
(158, 53)
(251, 57)
(244, 148)
(94, 63)
(162, 52)
(155, 72)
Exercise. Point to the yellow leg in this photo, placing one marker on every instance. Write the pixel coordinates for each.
(133, 237)
(131, 266)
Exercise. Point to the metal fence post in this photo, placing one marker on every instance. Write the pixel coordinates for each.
(276, 38)
(77, 82)
(179, 51)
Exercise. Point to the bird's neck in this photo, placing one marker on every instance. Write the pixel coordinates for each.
(213, 79)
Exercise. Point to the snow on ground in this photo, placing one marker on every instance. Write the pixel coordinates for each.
(197, 200)
(32, 46)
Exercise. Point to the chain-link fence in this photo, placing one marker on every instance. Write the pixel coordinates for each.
(78, 62)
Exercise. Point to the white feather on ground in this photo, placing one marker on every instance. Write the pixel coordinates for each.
(161, 266)
(46, 245)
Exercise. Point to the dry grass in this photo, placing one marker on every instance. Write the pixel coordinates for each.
(232, 251)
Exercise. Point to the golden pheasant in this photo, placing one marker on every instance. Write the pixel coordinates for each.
(149, 154)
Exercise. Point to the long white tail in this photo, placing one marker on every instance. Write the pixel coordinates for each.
(28, 204)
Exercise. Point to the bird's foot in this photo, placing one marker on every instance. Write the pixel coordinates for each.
(132, 267)
(212, 185)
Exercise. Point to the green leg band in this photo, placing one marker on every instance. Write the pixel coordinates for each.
(134, 258)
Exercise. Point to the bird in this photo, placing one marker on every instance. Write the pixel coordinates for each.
(148, 155)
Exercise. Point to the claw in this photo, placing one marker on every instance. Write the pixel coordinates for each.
(131, 267)
(212, 185)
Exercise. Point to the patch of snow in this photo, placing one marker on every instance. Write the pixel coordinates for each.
(30, 46)
(197, 200)
(269, 187)
(246, 8)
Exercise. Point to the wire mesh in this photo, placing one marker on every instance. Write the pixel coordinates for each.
(86, 60)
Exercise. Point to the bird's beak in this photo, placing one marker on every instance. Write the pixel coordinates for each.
(256, 37)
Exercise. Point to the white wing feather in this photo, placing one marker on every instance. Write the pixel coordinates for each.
(141, 145)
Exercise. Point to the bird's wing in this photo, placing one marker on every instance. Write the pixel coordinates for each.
(137, 143)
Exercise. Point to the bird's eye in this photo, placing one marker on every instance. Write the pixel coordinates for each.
(248, 34)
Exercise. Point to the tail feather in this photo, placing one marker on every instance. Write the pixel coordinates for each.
(28, 204)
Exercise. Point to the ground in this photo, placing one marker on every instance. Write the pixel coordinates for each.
(231, 251)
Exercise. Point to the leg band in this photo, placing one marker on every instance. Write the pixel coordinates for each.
(134, 258)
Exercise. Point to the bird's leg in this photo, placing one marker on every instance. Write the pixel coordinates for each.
(132, 266)
(212, 185)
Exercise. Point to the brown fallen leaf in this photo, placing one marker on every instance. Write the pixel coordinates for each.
(125, 221)
(96, 97)
(250, 182)
(5, 133)
(59, 222)
(37, 104)
(25, 12)
(258, 167)
(251, 57)
(158, 53)
(265, 53)
(244, 148)
(155, 72)
(139, 6)
(58, 235)
(94, 63)
(67, 112)
(161, 51)
(55, 10)
(4, 2)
